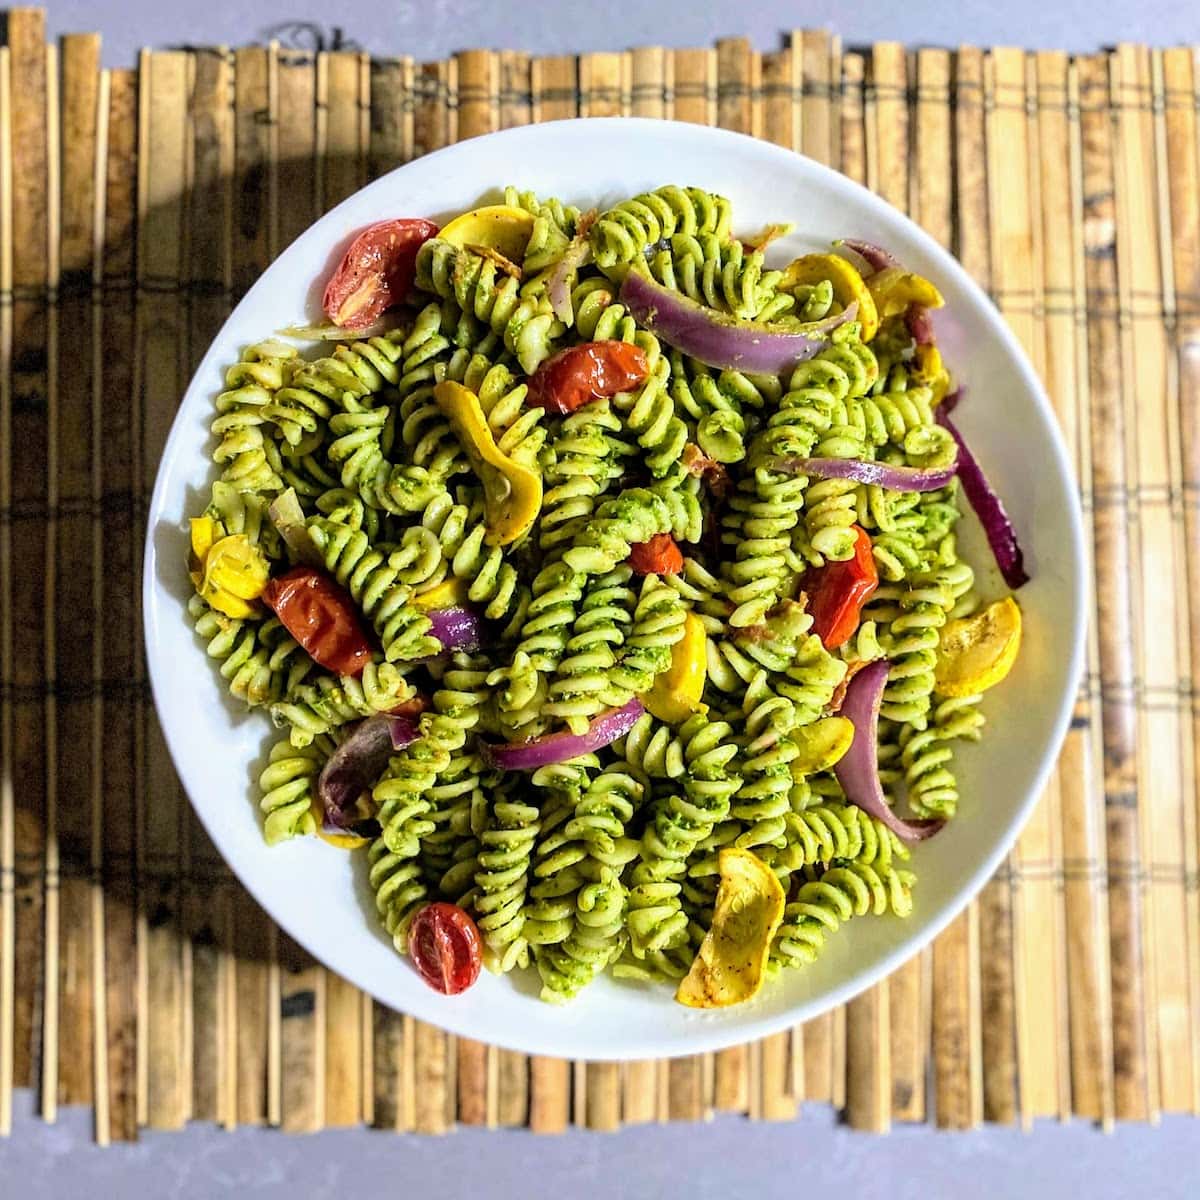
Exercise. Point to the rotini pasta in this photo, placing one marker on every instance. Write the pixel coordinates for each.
(592, 620)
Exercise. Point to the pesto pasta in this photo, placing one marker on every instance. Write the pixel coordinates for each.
(606, 583)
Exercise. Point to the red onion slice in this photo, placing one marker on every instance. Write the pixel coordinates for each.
(897, 479)
(455, 628)
(1001, 534)
(357, 763)
(858, 769)
(558, 747)
(920, 324)
(719, 340)
(576, 255)
(876, 257)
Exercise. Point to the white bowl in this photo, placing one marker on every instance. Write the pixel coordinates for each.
(319, 894)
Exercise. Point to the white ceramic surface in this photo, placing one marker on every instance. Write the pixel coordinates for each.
(319, 894)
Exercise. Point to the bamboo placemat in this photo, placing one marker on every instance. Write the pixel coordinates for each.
(137, 205)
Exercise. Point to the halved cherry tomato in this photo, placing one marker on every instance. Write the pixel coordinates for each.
(574, 377)
(838, 590)
(445, 947)
(322, 617)
(376, 272)
(658, 556)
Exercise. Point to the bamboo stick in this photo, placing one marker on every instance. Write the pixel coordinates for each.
(516, 89)
(781, 97)
(478, 93)
(120, 450)
(392, 1058)
(76, 551)
(208, 886)
(1110, 521)
(434, 118)
(604, 85)
(954, 1014)
(995, 902)
(252, 239)
(162, 229)
(694, 86)
(28, 489)
(476, 1083)
(8, 916)
(549, 1094)
(342, 148)
(391, 113)
(821, 73)
(1180, 160)
(650, 81)
(1152, 453)
(1084, 968)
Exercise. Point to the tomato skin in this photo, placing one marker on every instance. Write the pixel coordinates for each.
(838, 590)
(445, 947)
(322, 617)
(376, 272)
(659, 556)
(574, 377)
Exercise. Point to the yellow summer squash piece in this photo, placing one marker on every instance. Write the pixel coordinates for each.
(821, 744)
(732, 959)
(498, 227)
(676, 693)
(512, 493)
(204, 532)
(894, 289)
(848, 285)
(235, 574)
(977, 652)
(450, 593)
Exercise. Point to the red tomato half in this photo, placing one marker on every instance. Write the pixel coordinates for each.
(659, 556)
(322, 617)
(838, 590)
(444, 945)
(580, 374)
(376, 272)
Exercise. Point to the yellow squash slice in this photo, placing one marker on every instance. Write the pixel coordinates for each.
(450, 593)
(235, 573)
(894, 289)
(821, 744)
(977, 652)
(512, 493)
(676, 693)
(848, 285)
(498, 227)
(732, 959)
(204, 531)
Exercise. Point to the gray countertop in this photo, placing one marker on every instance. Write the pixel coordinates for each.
(729, 1157)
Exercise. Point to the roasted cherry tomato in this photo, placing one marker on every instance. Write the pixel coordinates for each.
(321, 616)
(658, 556)
(838, 590)
(574, 377)
(445, 948)
(376, 272)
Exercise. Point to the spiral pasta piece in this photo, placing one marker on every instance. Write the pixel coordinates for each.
(329, 701)
(373, 582)
(722, 274)
(287, 784)
(625, 231)
(527, 325)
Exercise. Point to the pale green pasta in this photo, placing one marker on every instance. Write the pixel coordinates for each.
(610, 860)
